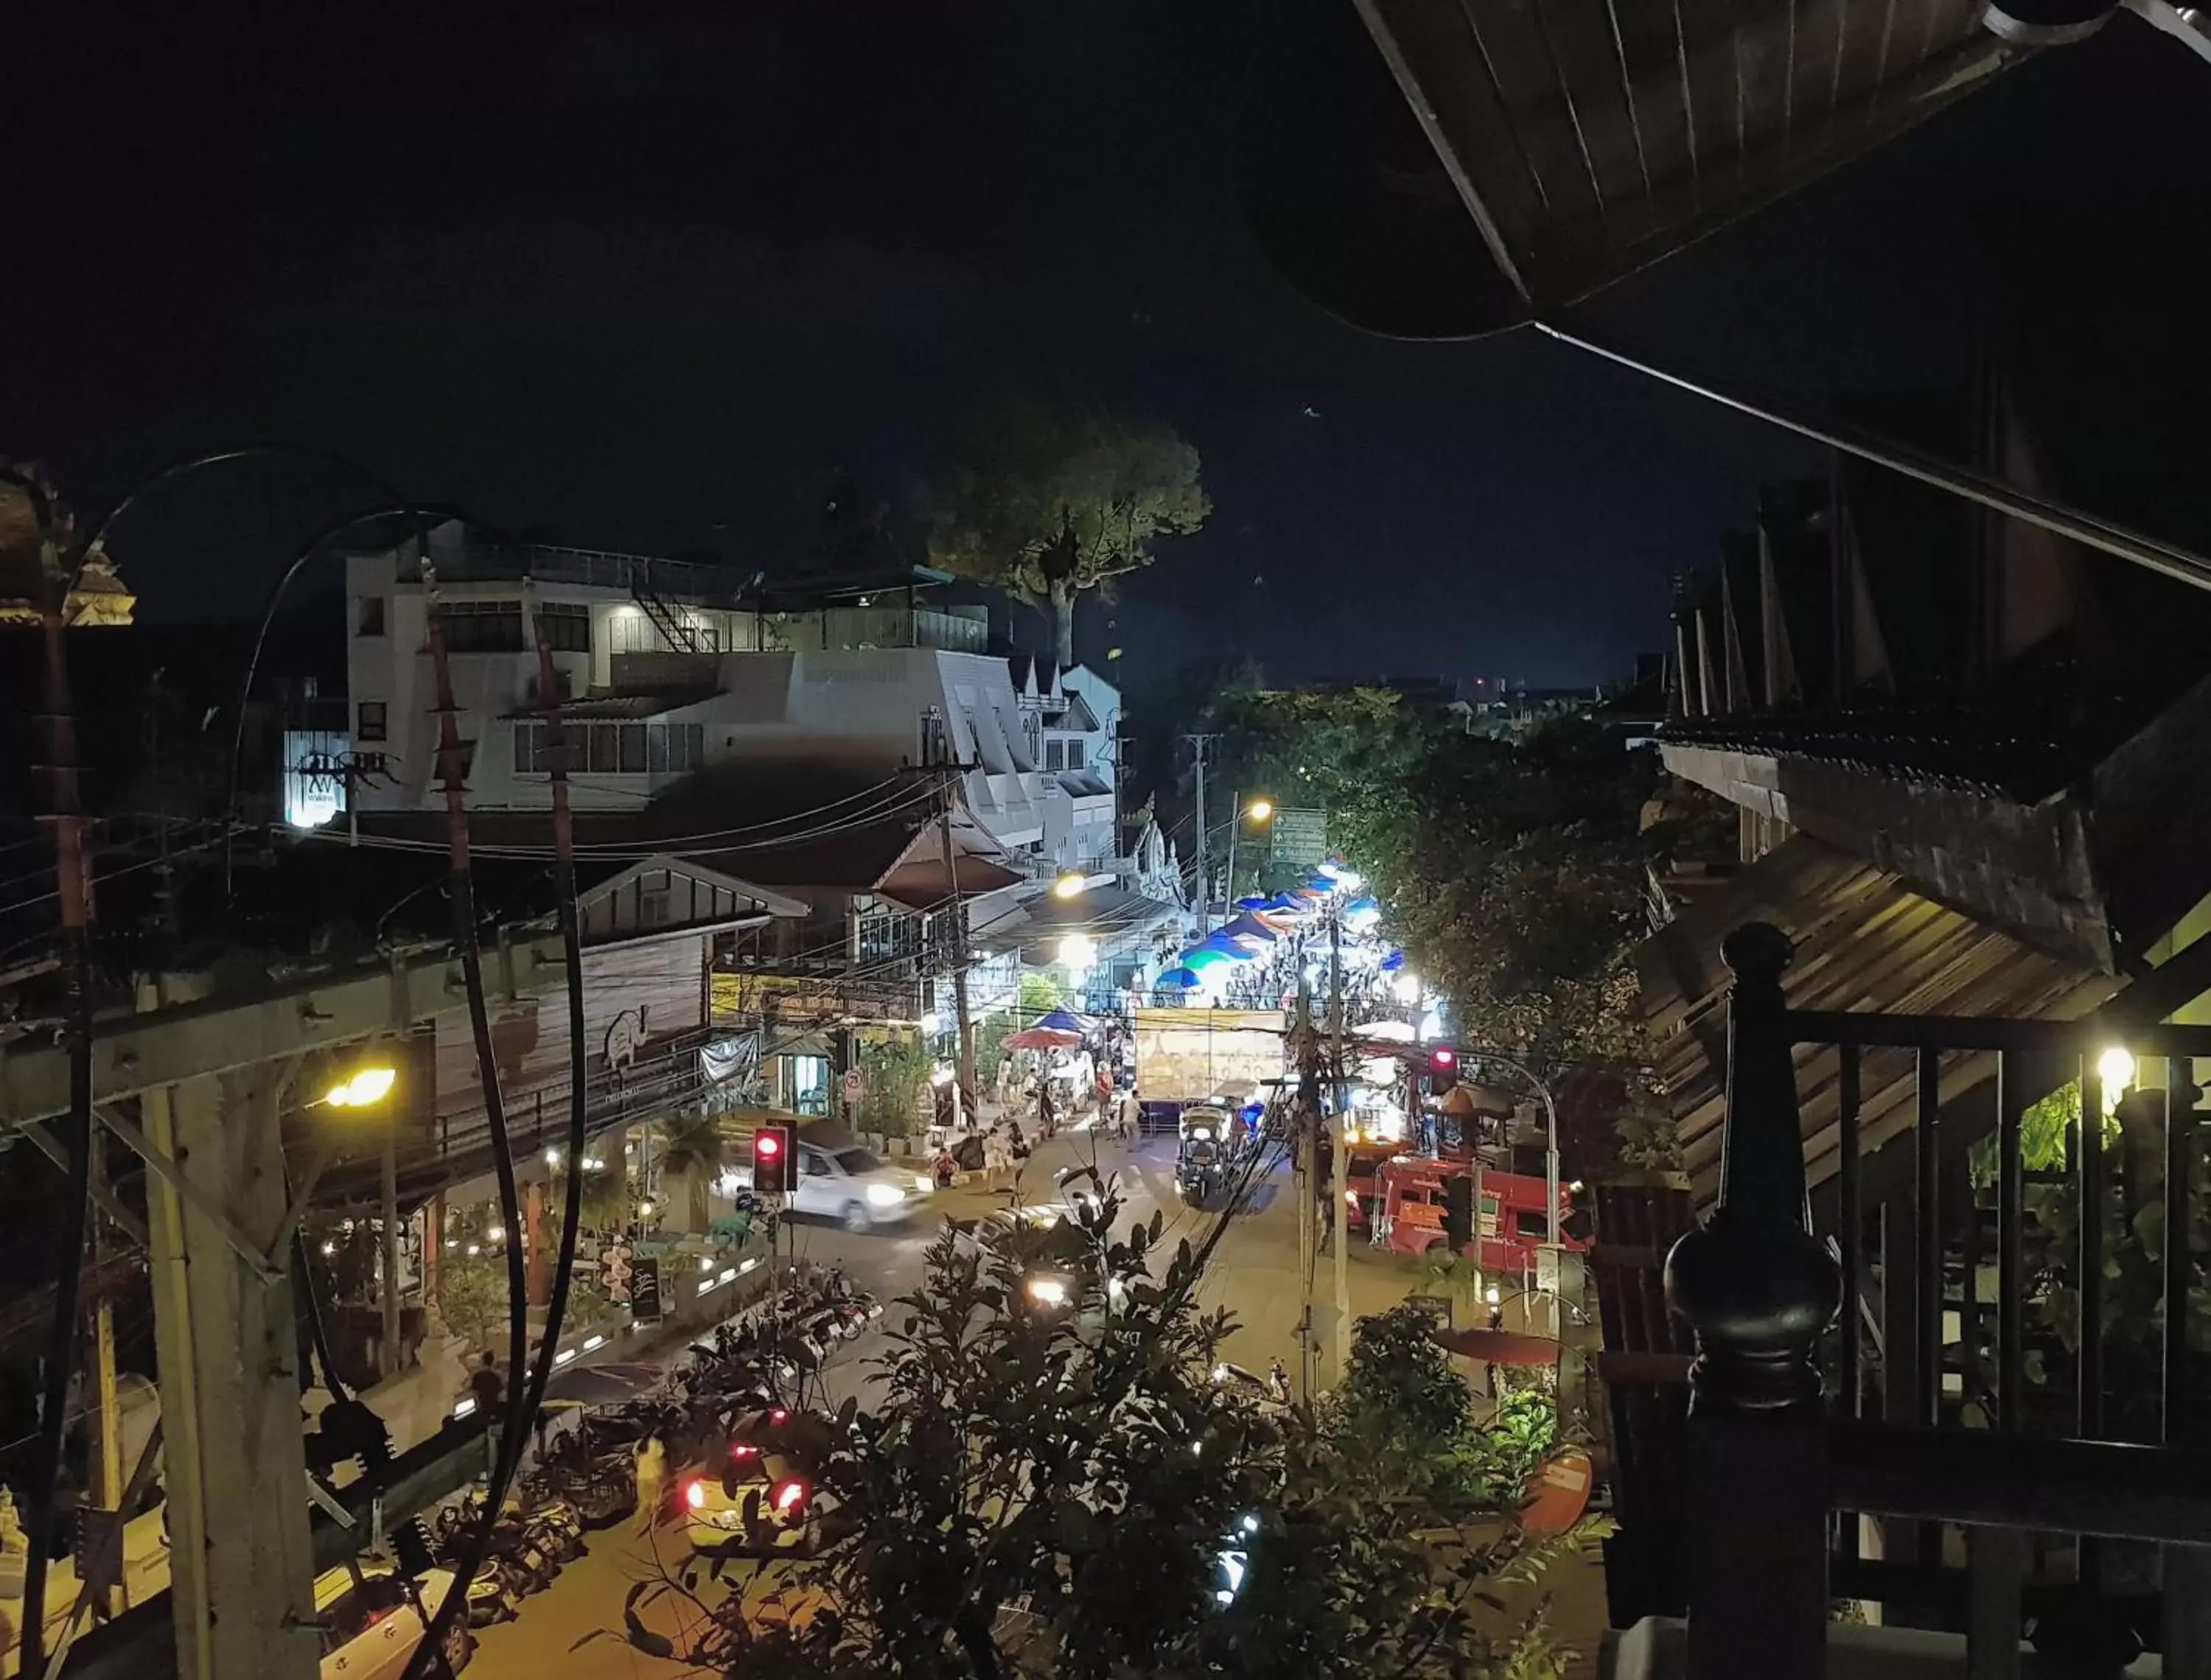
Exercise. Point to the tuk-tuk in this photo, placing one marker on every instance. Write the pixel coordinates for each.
(1201, 1165)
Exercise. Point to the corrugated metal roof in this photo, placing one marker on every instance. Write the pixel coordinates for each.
(1590, 138)
(1865, 942)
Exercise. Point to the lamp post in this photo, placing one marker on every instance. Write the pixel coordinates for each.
(1260, 810)
(1542, 1090)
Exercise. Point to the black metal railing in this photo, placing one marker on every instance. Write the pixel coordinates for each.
(1966, 1407)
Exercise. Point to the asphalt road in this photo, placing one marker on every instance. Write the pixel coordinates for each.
(1253, 1273)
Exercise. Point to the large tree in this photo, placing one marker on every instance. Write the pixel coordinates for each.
(1050, 503)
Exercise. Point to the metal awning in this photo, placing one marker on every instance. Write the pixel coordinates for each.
(1865, 942)
(1588, 139)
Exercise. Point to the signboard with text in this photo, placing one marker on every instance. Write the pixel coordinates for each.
(645, 1289)
(1300, 837)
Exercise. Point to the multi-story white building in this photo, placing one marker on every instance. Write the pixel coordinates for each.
(667, 668)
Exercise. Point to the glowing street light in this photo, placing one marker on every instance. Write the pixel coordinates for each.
(364, 1088)
(1070, 885)
(1257, 810)
(2116, 1068)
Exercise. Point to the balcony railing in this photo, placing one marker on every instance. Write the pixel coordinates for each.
(1925, 1366)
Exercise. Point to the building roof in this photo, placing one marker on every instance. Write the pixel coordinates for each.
(1865, 942)
(1572, 146)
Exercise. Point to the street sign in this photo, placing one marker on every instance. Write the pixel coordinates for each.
(1299, 836)
(645, 1290)
(851, 1085)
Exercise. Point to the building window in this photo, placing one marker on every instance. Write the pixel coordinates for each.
(368, 616)
(369, 723)
(616, 749)
(482, 627)
(1074, 755)
(564, 628)
(1055, 755)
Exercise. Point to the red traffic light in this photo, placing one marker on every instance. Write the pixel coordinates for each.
(772, 1160)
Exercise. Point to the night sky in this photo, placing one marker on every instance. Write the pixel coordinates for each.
(650, 276)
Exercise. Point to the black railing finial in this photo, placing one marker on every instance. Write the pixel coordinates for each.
(1759, 1290)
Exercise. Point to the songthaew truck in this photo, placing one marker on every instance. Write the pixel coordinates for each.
(1201, 1055)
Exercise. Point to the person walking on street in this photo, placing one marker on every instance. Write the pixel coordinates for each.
(487, 1388)
(1046, 1120)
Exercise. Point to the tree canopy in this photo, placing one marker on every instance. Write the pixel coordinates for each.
(1050, 503)
(1511, 871)
(1076, 1494)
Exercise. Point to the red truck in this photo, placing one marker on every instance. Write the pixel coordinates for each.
(1511, 1226)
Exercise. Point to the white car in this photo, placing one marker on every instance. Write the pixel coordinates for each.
(853, 1187)
(371, 1627)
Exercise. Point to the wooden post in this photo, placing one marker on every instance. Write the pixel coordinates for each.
(1759, 1290)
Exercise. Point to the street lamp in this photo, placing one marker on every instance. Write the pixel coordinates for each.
(1259, 810)
(1069, 884)
(363, 1088)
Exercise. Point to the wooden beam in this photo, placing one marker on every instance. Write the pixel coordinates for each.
(133, 1052)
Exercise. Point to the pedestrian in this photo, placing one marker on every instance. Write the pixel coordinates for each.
(1046, 1119)
(651, 1467)
(487, 1388)
(997, 1157)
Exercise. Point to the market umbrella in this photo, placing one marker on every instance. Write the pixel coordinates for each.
(1060, 1020)
(1203, 957)
(1184, 978)
(1393, 962)
(1042, 1039)
(1257, 901)
(1498, 1347)
(1249, 927)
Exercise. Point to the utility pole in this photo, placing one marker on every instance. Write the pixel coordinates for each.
(1339, 1344)
(966, 1027)
(389, 1237)
(107, 1456)
(1198, 744)
(1305, 1116)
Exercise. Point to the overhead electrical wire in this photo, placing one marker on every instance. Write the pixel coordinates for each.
(452, 765)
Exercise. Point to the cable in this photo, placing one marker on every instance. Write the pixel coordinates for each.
(71, 888)
(449, 758)
(572, 950)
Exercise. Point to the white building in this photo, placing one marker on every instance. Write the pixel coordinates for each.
(669, 668)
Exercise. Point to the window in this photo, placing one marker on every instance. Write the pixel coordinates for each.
(652, 907)
(370, 721)
(1530, 1222)
(1074, 755)
(483, 626)
(564, 628)
(1055, 755)
(616, 749)
(368, 616)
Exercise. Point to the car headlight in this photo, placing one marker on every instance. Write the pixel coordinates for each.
(885, 1195)
(1048, 1292)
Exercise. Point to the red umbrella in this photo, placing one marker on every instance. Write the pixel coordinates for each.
(1499, 1347)
(1042, 1039)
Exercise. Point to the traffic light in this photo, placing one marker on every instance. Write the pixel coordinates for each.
(1459, 1211)
(772, 1161)
(1442, 1069)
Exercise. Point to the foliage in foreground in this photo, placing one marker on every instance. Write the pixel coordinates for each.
(1054, 1494)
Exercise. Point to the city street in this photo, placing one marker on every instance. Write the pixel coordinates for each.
(1253, 1273)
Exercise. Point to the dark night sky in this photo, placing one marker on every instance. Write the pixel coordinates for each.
(645, 276)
